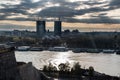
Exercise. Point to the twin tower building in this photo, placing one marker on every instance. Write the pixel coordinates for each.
(41, 28)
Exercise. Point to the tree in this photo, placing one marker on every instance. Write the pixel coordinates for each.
(67, 31)
(50, 67)
(75, 31)
(45, 68)
(91, 72)
(77, 69)
(64, 67)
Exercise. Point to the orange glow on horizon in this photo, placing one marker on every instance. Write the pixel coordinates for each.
(65, 24)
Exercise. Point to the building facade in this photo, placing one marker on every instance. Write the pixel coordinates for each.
(41, 25)
(57, 28)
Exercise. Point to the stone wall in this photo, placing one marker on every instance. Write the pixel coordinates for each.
(29, 72)
(8, 66)
(11, 70)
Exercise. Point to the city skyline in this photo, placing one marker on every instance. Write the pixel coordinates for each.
(78, 13)
(31, 25)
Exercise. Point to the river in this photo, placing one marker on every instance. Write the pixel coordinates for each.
(104, 63)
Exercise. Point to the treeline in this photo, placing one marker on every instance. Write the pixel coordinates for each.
(64, 70)
(99, 41)
(81, 40)
(31, 41)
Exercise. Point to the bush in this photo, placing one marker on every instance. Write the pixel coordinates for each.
(91, 71)
(76, 69)
(64, 67)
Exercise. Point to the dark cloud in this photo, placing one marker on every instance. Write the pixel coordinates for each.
(22, 7)
(91, 10)
(13, 10)
(93, 3)
(57, 12)
(2, 17)
(7, 27)
(94, 20)
(66, 3)
(65, 9)
(115, 4)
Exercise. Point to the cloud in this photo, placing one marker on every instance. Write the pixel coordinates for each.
(115, 3)
(57, 12)
(95, 20)
(65, 9)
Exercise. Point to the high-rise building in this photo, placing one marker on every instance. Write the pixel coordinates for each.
(41, 25)
(57, 28)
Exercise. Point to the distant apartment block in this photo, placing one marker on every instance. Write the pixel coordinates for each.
(57, 28)
(41, 25)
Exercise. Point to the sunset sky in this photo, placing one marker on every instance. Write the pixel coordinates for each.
(73, 13)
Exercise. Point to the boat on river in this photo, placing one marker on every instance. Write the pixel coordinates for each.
(36, 49)
(23, 48)
(60, 49)
(108, 51)
(77, 50)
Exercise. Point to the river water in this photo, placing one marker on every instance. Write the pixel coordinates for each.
(104, 63)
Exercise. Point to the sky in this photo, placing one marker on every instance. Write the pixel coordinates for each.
(79, 13)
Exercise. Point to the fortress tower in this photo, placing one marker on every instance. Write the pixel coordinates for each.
(8, 64)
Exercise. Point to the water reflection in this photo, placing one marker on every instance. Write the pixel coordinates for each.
(61, 57)
(105, 63)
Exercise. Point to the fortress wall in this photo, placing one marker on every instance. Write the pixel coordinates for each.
(28, 72)
(8, 66)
